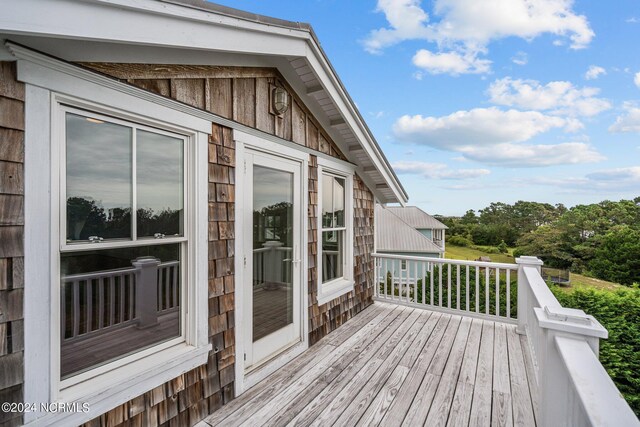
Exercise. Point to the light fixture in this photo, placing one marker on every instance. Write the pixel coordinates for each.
(92, 120)
(279, 100)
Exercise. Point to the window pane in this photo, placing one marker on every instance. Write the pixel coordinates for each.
(99, 168)
(160, 176)
(327, 201)
(272, 285)
(332, 255)
(116, 302)
(338, 201)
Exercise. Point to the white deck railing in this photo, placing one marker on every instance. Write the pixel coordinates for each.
(570, 384)
(271, 264)
(478, 289)
(97, 302)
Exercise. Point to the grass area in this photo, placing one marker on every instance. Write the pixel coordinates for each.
(577, 281)
(469, 254)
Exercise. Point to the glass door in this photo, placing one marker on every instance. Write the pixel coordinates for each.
(272, 267)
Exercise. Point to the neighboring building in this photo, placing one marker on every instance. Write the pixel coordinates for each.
(409, 221)
(186, 203)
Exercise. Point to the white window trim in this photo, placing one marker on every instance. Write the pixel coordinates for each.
(331, 290)
(46, 88)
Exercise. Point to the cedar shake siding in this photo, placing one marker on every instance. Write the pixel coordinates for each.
(11, 241)
(240, 94)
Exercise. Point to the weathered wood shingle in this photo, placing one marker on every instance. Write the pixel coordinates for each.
(11, 240)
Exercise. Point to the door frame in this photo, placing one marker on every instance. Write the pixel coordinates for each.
(244, 141)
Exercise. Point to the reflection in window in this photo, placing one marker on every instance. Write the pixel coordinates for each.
(159, 161)
(332, 256)
(100, 169)
(123, 184)
(333, 227)
(272, 299)
(99, 184)
(116, 302)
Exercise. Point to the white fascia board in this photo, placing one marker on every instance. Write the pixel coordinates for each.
(148, 23)
(341, 100)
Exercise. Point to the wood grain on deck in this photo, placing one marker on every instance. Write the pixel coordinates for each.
(392, 366)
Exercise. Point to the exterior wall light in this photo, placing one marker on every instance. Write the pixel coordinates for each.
(279, 100)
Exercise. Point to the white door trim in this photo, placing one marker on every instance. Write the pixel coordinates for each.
(243, 142)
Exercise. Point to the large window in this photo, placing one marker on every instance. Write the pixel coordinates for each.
(123, 240)
(335, 264)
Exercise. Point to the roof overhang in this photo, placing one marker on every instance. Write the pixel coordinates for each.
(200, 33)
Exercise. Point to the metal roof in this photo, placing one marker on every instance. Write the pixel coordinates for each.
(417, 218)
(395, 235)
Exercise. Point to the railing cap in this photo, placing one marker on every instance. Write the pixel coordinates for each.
(570, 320)
(145, 261)
(529, 260)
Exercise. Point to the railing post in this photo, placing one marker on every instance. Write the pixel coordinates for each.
(523, 289)
(272, 264)
(146, 290)
(557, 403)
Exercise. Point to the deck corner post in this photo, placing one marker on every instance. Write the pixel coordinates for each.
(146, 290)
(557, 401)
(523, 289)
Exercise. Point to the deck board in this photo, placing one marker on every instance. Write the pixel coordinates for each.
(482, 392)
(392, 366)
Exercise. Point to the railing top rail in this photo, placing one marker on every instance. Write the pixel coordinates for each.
(169, 263)
(448, 261)
(98, 274)
(601, 401)
(541, 291)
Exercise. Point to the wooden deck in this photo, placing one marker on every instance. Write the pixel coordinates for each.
(393, 366)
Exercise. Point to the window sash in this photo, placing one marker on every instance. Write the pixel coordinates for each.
(183, 241)
(345, 241)
(134, 240)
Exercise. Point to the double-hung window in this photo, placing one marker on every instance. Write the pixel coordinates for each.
(116, 202)
(123, 240)
(335, 230)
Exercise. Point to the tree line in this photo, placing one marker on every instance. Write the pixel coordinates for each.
(599, 239)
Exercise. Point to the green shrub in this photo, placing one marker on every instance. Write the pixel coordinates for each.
(502, 247)
(459, 241)
(619, 313)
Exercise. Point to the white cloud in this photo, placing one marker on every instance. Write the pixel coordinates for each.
(606, 180)
(636, 79)
(466, 27)
(558, 97)
(627, 122)
(617, 174)
(406, 19)
(520, 58)
(437, 170)
(632, 20)
(495, 137)
(480, 126)
(478, 22)
(525, 155)
(594, 72)
(450, 63)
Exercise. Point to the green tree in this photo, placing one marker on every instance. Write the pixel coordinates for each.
(617, 256)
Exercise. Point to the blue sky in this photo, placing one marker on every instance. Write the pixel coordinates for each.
(481, 101)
